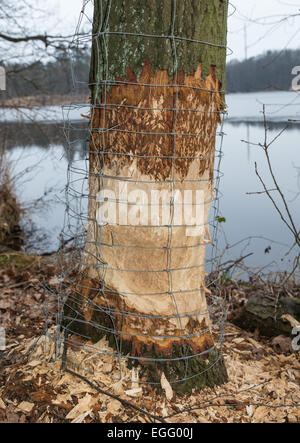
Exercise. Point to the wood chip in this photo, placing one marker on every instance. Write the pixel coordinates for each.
(166, 387)
(134, 392)
(83, 406)
(2, 404)
(291, 320)
(25, 407)
(114, 406)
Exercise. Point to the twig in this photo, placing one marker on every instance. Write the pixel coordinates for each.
(62, 247)
(234, 263)
(260, 192)
(17, 285)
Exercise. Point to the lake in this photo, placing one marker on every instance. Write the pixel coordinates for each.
(37, 138)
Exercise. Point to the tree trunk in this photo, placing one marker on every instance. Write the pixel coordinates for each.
(156, 107)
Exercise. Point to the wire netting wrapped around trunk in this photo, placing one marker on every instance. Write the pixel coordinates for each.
(144, 210)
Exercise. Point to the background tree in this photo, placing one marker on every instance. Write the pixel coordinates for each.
(269, 71)
(37, 62)
(18, 37)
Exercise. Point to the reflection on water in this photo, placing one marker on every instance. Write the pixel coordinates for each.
(71, 137)
(39, 155)
(253, 215)
(247, 215)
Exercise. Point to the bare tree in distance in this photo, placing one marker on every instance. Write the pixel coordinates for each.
(37, 62)
(270, 24)
(18, 36)
(284, 212)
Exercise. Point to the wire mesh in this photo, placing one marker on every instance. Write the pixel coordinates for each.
(87, 274)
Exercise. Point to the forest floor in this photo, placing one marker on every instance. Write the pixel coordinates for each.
(263, 382)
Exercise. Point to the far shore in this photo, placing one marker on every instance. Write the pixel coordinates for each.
(43, 100)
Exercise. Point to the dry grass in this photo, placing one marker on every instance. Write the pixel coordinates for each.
(10, 210)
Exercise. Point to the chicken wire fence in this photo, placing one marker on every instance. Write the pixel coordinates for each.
(72, 295)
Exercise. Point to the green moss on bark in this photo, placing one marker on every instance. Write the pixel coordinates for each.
(185, 374)
(196, 372)
(199, 372)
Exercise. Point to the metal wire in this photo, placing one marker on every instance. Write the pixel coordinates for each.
(77, 214)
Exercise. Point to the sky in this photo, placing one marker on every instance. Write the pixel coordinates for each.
(251, 21)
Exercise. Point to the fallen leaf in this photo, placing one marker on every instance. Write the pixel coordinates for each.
(81, 417)
(166, 387)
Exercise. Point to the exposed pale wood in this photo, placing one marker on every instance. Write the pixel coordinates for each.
(156, 258)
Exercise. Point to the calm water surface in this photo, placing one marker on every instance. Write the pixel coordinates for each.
(44, 146)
